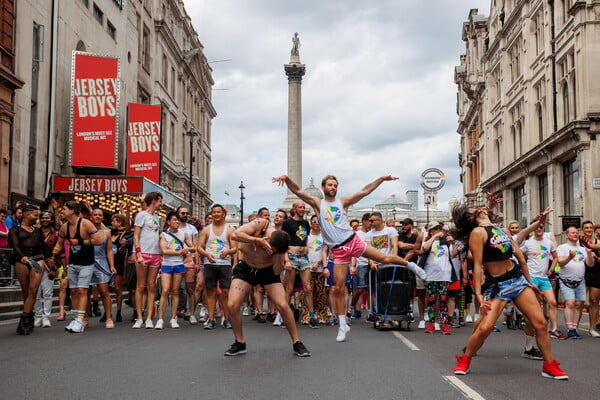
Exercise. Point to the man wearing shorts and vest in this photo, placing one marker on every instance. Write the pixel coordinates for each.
(82, 236)
(263, 257)
(341, 238)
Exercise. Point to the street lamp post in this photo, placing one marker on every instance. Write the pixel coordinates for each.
(242, 187)
(427, 204)
(394, 215)
(192, 133)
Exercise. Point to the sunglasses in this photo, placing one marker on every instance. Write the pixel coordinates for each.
(184, 213)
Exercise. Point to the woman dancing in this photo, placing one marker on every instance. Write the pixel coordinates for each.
(493, 249)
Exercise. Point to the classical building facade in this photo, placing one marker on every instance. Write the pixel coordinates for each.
(161, 62)
(529, 108)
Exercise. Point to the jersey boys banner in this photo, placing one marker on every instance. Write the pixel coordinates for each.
(94, 111)
(143, 141)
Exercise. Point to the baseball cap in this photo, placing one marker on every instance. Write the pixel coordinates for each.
(407, 221)
(433, 224)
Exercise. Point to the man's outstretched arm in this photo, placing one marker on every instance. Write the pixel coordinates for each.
(365, 191)
(313, 201)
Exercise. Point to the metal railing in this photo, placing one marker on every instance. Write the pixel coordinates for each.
(7, 270)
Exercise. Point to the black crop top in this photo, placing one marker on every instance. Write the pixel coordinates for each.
(298, 231)
(498, 246)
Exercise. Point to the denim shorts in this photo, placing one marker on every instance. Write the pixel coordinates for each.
(542, 283)
(172, 269)
(509, 289)
(80, 276)
(577, 294)
(363, 276)
(299, 261)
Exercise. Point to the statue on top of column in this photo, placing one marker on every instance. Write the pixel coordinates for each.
(296, 45)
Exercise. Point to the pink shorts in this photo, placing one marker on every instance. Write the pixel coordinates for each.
(354, 248)
(151, 260)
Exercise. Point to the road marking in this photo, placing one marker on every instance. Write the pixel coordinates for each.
(463, 387)
(407, 342)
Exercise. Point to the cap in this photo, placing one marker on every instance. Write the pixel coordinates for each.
(407, 221)
(433, 224)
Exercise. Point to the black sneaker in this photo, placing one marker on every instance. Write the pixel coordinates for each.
(313, 323)
(261, 318)
(210, 324)
(299, 349)
(236, 349)
(533, 354)
(119, 316)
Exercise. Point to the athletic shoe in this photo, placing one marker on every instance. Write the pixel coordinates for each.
(572, 334)
(462, 365)
(313, 323)
(430, 328)
(37, 322)
(437, 326)
(370, 318)
(261, 318)
(173, 323)
(148, 324)
(330, 322)
(278, 320)
(598, 326)
(193, 320)
(468, 318)
(226, 324)
(109, 324)
(594, 333)
(70, 326)
(461, 321)
(496, 329)
(421, 324)
(45, 323)
(77, 326)
(446, 330)
(556, 334)
(304, 322)
(342, 331)
(203, 314)
(533, 354)
(119, 316)
(138, 324)
(159, 324)
(246, 311)
(300, 350)
(270, 317)
(236, 349)
(552, 370)
(210, 324)
(61, 316)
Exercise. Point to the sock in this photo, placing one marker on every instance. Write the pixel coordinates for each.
(80, 314)
(311, 314)
(342, 319)
(529, 342)
(75, 313)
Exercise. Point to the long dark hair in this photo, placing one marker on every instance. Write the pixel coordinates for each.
(462, 216)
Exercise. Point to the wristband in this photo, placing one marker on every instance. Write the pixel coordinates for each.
(138, 249)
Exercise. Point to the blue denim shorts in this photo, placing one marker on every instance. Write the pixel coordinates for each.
(542, 283)
(299, 261)
(509, 289)
(80, 276)
(577, 294)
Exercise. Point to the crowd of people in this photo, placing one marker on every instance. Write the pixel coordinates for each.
(317, 271)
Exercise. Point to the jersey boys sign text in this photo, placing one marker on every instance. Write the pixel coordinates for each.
(143, 141)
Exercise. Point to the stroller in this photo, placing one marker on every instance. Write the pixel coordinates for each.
(393, 297)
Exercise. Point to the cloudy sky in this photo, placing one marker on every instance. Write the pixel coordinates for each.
(378, 95)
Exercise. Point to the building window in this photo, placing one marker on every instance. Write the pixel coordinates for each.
(498, 159)
(565, 100)
(571, 193)
(540, 122)
(165, 71)
(573, 89)
(146, 48)
(520, 205)
(172, 141)
(112, 31)
(98, 15)
(86, 3)
(173, 82)
(543, 191)
(38, 42)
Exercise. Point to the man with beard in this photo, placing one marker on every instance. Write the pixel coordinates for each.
(409, 247)
(190, 264)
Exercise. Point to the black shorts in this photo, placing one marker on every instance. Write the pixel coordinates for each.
(214, 273)
(120, 267)
(255, 276)
(131, 276)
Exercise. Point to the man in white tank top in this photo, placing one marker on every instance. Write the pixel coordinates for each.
(341, 238)
(216, 248)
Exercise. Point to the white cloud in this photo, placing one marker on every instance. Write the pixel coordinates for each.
(378, 95)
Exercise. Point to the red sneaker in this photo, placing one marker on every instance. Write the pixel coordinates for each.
(430, 328)
(446, 330)
(552, 370)
(462, 365)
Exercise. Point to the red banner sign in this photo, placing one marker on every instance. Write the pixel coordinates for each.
(143, 141)
(94, 111)
(97, 184)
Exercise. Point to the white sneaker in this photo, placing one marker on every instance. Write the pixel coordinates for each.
(594, 333)
(421, 325)
(159, 324)
(46, 323)
(436, 326)
(342, 331)
(137, 324)
(37, 321)
(476, 317)
(77, 326)
(278, 320)
(193, 320)
(70, 325)
(174, 324)
(149, 324)
(468, 318)
(203, 314)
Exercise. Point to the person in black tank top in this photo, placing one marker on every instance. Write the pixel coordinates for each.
(504, 282)
(82, 236)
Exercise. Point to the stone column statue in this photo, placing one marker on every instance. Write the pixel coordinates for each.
(295, 45)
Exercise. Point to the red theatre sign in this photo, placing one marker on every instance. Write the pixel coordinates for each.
(98, 184)
(143, 141)
(95, 93)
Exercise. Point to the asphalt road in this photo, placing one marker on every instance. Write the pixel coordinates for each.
(189, 363)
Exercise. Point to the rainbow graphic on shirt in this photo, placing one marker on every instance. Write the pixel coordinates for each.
(579, 256)
(315, 246)
(380, 242)
(216, 246)
(301, 233)
(438, 251)
(500, 240)
(153, 225)
(333, 214)
(541, 252)
(173, 244)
